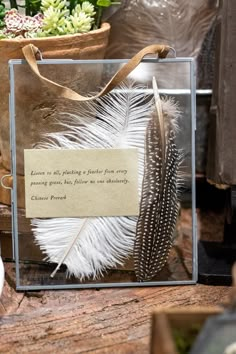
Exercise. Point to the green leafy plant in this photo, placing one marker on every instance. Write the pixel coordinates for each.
(32, 7)
(2, 14)
(184, 339)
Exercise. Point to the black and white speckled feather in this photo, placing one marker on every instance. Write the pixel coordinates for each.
(159, 203)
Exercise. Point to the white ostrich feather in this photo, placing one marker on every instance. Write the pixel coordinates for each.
(1, 275)
(89, 246)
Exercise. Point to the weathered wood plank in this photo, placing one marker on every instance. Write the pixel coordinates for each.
(91, 321)
(101, 322)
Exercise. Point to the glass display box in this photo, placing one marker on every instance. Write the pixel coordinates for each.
(103, 191)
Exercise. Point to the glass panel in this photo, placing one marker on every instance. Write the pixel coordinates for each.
(186, 25)
(37, 111)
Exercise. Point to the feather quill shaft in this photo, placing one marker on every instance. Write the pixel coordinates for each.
(161, 118)
(159, 202)
(69, 248)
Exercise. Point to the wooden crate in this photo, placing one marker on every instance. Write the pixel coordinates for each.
(221, 167)
(166, 321)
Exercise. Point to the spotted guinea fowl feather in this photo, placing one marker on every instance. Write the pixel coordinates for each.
(159, 202)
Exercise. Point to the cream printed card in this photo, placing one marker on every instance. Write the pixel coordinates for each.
(81, 183)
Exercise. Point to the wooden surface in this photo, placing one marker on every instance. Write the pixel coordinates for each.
(106, 321)
(91, 321)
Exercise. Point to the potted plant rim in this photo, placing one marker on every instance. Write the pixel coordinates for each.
(61, 30)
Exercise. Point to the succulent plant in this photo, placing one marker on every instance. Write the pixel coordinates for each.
(17, 25)
(45, 18)
(57, 19)
(56, 4)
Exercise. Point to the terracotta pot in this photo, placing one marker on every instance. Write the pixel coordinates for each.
(36, 108)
